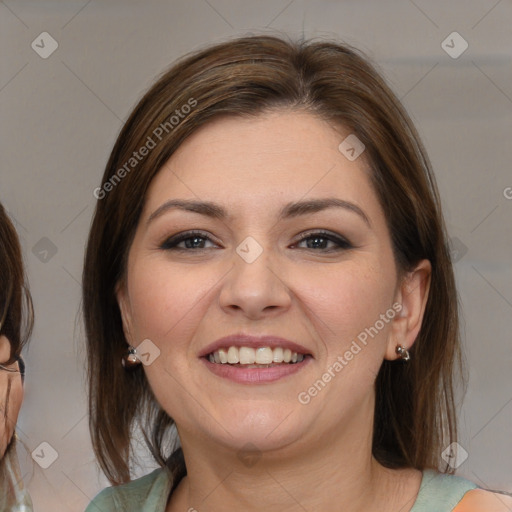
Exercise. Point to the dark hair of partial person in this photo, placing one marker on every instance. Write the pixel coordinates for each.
(415, 413)
(16, 312)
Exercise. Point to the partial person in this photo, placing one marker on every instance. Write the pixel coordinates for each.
(16, 321)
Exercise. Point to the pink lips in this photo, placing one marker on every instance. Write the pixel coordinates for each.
(244, 375)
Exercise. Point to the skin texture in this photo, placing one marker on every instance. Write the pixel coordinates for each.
(184, 300)
(479, 500)
(11, 396)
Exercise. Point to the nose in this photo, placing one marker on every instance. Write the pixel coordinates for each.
(254, 289)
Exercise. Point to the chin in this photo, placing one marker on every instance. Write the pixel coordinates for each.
(267, 429)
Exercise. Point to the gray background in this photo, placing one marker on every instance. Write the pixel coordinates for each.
(60, 117)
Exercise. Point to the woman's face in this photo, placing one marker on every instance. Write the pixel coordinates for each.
(11, 396)
(258, 263)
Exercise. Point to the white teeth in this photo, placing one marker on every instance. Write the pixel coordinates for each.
(264, 355)
(255, 358)
(223, 355)
(278, 355)
(247, 355)
(233, 355)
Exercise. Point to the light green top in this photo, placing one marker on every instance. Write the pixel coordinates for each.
(438, 493)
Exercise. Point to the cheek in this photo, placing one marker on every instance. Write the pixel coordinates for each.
(165, 301)
(15, 400)
(346, 312)
(348, 301)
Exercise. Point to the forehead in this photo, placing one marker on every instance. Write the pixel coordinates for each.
(282, 155)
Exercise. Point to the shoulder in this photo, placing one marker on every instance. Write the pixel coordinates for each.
(151, 489)
(440, 492)
(446, 492)
(479, 500)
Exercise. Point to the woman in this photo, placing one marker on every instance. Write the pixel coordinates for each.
(16, 320)
(268, 261)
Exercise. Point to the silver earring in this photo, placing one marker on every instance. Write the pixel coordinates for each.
(402, 353)
(130, 359)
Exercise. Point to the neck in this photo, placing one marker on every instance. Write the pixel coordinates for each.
(338, 474)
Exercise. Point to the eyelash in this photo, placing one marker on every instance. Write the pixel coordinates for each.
(172, 242)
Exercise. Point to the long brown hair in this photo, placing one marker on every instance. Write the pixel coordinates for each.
(16, 312)
(415, 412)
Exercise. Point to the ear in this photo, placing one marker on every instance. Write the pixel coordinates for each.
(412, 295)
(123, 302)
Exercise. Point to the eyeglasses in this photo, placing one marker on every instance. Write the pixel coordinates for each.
(21, 365)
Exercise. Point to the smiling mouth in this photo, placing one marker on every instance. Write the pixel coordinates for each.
(261, 357)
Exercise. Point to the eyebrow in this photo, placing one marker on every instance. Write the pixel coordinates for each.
(290, 210)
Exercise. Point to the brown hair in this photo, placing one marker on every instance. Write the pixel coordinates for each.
(16, 313)
(415, 411)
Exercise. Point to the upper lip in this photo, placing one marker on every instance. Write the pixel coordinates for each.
(246, 340)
